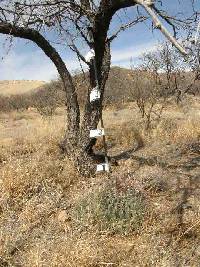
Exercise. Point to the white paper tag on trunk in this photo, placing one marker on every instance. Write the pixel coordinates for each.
(97, 133)
(95, 94)
(90, 55)
(104, 167)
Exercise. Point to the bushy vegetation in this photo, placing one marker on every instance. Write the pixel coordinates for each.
(45, 100)
(110, 210)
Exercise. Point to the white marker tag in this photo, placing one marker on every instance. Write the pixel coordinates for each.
(95, 94)
(90, 55)
(97, 133)
(104, 167)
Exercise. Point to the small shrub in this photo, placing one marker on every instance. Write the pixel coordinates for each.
(156, 184)
(110, 210)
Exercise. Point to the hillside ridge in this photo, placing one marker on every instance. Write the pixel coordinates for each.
(14, 87)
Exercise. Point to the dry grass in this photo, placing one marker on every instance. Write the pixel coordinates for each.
(40, 194)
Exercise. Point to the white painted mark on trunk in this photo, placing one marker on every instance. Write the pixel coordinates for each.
(104, 167)
(97, 133)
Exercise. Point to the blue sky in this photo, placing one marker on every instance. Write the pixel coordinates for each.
(24, 60)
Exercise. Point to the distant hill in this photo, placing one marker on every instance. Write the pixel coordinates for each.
(121, 87)
(119, 82)
(17, 87)
(24, 93)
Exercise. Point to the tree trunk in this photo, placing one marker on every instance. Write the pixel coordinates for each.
(81, 152)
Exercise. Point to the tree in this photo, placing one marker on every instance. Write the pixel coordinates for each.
(89, 21)
(148, 94)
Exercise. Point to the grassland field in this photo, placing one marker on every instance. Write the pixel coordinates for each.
(145, 213)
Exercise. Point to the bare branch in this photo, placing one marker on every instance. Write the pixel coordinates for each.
(149, 7)
(75, 49)
(126, 26)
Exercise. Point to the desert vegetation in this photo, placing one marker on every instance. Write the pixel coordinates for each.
(54, 209)
(145, 213)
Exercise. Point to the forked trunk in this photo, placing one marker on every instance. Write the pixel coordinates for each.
(78, 145)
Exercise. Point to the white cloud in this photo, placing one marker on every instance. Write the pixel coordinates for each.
(29, 66)
(122, 56)
(34, 65)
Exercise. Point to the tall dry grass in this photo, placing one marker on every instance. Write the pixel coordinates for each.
(143, 214)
